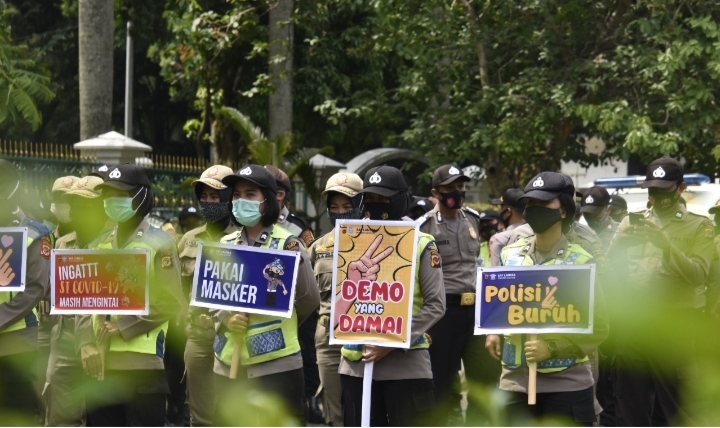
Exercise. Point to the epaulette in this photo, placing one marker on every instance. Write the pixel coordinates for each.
(299, 221)
(472, 211)
(420, 220)
(231, 237)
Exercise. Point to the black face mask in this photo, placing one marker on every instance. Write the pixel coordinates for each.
(353, 214)
(453, 200)
(486, 232)
(596, 222)
(617, 215)
(541, 219)
(664, 201)
(214, 212)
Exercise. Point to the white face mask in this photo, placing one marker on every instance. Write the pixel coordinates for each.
(61, 211)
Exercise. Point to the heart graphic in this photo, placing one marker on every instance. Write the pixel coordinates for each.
(7, 240)
(553, 280)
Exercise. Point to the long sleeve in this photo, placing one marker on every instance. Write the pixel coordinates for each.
(37, 284)
(431, 286)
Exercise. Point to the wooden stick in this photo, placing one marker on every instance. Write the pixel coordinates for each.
(235, 357)
(532, 379)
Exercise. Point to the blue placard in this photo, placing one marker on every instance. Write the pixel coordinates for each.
(535, 299)
(245, 279)
(13, 258)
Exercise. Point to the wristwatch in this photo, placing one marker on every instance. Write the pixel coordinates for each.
(552, 347)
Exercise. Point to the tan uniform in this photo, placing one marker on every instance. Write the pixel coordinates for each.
(607, 233)
(328, 357)
(499, 241)
(199, 357)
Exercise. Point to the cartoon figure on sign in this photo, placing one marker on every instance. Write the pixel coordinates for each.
(272, 272)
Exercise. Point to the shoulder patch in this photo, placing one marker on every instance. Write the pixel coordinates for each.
(45, 247)
(435, 259)
(307, 237)
(708, 229)
(166, 261)
(292, 245)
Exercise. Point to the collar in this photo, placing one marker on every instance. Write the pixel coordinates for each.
(435, 212)
(558, 251)
(262, 238)
(137, 234)
(284, 214)
(680, 213)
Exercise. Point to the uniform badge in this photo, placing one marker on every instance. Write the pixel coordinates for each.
(139, 234)
(307, 237)
(166, 261)
(473, 234)
(435, 260)
(679, 214)
(45, 247)
(375, 178)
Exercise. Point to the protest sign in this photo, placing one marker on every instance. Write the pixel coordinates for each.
(104, 282)
(535, 299)
(245, 279)
(13, 258)
(374, 279)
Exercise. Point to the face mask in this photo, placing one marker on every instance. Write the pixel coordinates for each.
(663, 201)
(119, 208)
(353, 214)
(61, 211)
(214, 212)
(246, 212)
(541, 219)
(596, 222)
(452, 200)
(617, 215)
(488, 231)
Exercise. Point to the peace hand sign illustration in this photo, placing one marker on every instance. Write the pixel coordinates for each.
(368, 266)
(6, 272)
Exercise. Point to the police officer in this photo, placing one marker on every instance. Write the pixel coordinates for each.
(402, 379)
(190, 218)
(595, 207)
(275, 365)
(490, 225)
(59, 207)
(18, 316)
(215, 201)
(661, 259)
(420, 207)
(134, 388)
(65, 389)
(618, 207)
(511, 209)
(565, 380)
(456, 230)
(344, 201)
(301, 228)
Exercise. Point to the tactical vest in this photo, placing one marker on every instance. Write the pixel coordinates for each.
(354, 352)
(31, 319)
(267, 337)
(152, 342)
(513, 355)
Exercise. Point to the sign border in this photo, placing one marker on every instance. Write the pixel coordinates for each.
(406, 342)
(479, 330)
(59, 252)
(247, 248)
(23, 268)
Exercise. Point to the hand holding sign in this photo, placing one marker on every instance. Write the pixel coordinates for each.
(6, 271)
(236, 323)
(368, 266)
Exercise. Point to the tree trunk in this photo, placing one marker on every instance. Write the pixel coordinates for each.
(281, 67)
(96, 27)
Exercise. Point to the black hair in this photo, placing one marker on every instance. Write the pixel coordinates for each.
(567, 202)
(272, 207)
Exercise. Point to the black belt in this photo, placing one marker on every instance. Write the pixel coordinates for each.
(459, 300)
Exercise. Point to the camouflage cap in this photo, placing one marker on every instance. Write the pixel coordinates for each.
(86, 187)
(213, 176)
(64, 184)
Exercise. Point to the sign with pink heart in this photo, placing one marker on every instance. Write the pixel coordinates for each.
(535, 299)
(13, 258)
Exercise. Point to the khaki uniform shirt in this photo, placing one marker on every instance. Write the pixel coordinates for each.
(458, 249)
(321, 255)
(673, 277)
(411, 364)
(607, 232)
(499, 241)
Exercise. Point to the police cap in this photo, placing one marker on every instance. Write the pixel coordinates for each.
(446, 174)
(188, 212)
(126, 176)
(347, 183)
(64, 184)
(489, 215)
(547, 186)
(385, 181)
(664, 173)
(512, 197)
(282, 179)
(255, 174)
(594, 200)
(617, 201)
(86, 187)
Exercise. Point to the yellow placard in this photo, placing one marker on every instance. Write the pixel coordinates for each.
(374, 280)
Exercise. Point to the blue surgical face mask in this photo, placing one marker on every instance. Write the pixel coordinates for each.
(119, 208)
(246, 212)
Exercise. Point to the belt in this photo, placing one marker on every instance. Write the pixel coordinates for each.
(464, 299)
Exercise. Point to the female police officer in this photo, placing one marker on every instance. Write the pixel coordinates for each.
(215, 201)
(277, 367)
(344, 201)
(565, 381)
(135, 386)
